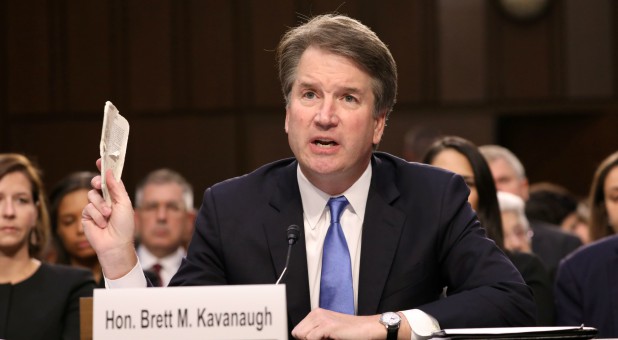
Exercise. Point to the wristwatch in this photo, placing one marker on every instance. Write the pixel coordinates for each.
(391, 321)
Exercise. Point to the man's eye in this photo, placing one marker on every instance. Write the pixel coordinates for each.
(309, 95)
(151, 207)
(350, 99)
(173, 207)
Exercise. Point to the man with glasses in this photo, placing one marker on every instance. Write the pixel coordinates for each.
(163, 215)
(548, 241)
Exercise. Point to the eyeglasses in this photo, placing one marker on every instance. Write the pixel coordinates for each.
(169, 207)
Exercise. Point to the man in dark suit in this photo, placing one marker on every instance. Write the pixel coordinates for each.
(587, 288)
(548, 242)
(412, 222)
(551, 244)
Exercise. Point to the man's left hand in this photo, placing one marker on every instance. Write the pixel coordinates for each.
(326, 324)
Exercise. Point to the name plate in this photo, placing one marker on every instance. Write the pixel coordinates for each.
(201, 312)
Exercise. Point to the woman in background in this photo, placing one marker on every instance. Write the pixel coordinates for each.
(462, 157)
(587, 279)
(603, 199)
(67, 200)
(37, 300)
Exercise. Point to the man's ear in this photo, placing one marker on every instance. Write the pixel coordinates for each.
(189, 227)
(378, 129)
(191, 216)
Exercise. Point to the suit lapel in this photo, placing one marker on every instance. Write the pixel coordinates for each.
(381, 232)
(286, 209)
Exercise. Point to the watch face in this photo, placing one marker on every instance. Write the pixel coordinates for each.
(390, 319)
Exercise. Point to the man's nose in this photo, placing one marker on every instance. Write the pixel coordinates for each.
(162, 212)
(327, 112)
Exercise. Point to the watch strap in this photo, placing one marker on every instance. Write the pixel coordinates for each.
(391, 332)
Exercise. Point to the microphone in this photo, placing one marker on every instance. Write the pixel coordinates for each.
(293, 233)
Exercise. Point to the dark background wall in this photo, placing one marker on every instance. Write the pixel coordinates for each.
(197, 81)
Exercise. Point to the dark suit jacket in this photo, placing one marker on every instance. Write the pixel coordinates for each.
(419, 235)
(551, 244)
(45, 305)
(587, 288)
(537, 278)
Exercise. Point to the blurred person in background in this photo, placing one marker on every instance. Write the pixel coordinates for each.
(164, 214)
(37, 300)
(417, 141)
(67, 200)
(603, 199)
(463, 158)
(548, 242)
(587, 282)
(555, 204)
(517, 233)
(586, 290)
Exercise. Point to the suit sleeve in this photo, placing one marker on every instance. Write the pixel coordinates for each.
(568, 297)
(203, 264)
(484, 289)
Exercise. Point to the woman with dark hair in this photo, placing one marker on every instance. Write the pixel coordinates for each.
(37, 300)
(603, 199)
(462, 157)
(67, 200)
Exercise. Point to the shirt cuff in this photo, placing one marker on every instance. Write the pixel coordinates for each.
(133, 279)
(423, 325)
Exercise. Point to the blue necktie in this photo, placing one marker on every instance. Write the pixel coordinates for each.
(336, 290)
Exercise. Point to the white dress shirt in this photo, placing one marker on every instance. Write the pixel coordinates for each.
(316, 216)
(169, 264)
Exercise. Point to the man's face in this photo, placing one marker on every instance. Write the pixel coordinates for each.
(162, 218)
(507, 180)
(329, 120)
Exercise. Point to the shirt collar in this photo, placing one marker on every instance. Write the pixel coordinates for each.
(314, 200)
(147, 259)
